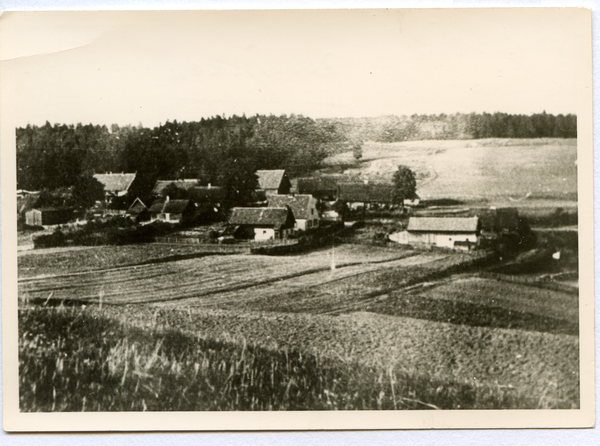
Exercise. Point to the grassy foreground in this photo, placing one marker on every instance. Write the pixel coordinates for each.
(74, 359)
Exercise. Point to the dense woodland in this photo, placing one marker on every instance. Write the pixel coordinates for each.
(227, 151)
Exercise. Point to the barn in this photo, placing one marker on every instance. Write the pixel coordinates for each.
(48, 216)
(304, 209)
(447, 232)
(261, 224)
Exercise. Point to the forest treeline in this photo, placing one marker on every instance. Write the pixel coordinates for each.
(456, 126)
(227, 151)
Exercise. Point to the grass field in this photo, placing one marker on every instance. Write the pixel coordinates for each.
(90, 359)
(499, 171)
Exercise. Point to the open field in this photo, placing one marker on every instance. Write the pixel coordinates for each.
(211, 280)
(498, 171)
(388, 328)
(90, 359)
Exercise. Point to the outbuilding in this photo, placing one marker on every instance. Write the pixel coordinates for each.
(447, 232)
(48, 216)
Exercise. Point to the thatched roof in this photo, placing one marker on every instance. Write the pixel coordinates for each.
(161, 185)
(176, 206)
(270, 179)
(442, 224)
(299, 204)
(259, 216)
(157, 206)
(115, 182)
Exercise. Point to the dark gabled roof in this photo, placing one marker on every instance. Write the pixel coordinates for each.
(442, 224)
(315, 185)
(115, 182)
(299, 204)
(270, 179)
(176, 206)
(157, 206)
(205, 194)
(259, 216)
(161, 185)
(137, 207)
(366, 193)
(50, 209)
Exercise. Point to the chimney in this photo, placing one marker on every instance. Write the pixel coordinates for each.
(209, 185)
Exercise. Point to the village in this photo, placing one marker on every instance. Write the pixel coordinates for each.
(283, 210)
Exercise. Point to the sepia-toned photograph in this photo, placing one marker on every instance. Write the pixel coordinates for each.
(349, 219)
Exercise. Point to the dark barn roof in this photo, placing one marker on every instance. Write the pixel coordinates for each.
(259, 216)
(366, 193)
(443, 224)
(315, 185)
(299, 204)
(115, 182)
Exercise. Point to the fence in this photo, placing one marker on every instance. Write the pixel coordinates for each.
(236, 247)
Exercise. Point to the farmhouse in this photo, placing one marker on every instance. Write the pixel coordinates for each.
(304, 209)
(172, 211)
(48, 216)
(115, 184)
(448, 232)
(262, 224)
(273, 182)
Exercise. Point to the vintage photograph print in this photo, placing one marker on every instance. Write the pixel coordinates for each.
(344, 219)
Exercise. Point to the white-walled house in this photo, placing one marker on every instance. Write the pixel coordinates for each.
(447, 232)
(304, 209)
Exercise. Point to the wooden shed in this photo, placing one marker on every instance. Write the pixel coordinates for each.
(48, 216)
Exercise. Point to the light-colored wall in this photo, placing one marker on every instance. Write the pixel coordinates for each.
(428, 238)
(261, 234)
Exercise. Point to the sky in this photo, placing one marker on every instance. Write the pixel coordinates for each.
(150, 67)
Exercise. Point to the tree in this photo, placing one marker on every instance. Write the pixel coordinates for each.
(86, 191)
(405, 185)
(357, 150)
